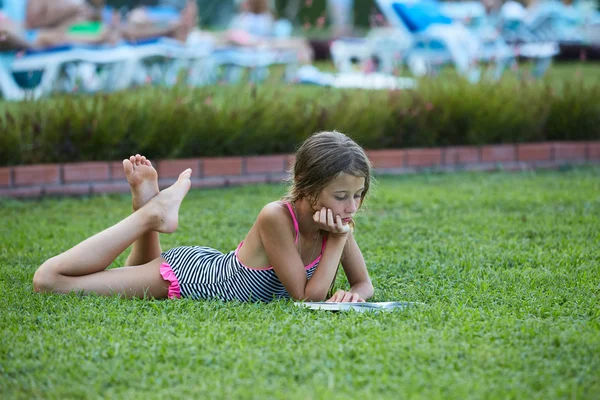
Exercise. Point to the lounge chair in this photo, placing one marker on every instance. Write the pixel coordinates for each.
(552, 20)
(382, 50)
(438, 39)
(113, 67)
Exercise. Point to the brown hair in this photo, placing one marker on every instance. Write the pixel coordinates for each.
(258, 6)
(320, 159)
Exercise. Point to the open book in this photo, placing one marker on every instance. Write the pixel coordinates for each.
(361, 307)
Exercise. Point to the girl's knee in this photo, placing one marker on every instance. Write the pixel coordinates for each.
(45, 278)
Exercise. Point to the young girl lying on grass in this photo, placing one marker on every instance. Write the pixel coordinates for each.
(292, 250)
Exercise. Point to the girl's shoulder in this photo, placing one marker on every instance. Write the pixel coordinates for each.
(276, 216)
(275, 210)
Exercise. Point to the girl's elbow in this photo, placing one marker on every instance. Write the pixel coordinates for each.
(308, 296)
(367, 290)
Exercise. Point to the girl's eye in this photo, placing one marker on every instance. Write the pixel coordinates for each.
(340, 198)
(358, 196)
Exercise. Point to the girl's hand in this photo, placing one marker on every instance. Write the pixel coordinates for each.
(342, 296)
(326, 222)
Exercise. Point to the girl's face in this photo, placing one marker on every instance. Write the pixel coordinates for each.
(342, 196)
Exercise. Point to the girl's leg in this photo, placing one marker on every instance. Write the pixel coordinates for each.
(83, 267)
(143, 281)
(143, 180)
(139, 26)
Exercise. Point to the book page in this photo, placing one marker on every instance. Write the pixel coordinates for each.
(362, 306)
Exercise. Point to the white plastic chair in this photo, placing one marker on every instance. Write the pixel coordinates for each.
(439, 40)
(65, 69)
(229, 63)
(514, 28)
(385, 46)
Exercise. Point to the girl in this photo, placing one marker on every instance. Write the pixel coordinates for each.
(292, 250)
(255, 26)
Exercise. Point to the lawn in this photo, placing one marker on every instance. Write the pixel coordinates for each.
(506, 264)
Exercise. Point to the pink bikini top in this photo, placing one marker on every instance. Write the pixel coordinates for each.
(307, 267)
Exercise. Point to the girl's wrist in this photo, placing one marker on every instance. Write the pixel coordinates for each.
(338, 236)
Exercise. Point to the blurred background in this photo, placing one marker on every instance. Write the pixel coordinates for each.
(231, 77)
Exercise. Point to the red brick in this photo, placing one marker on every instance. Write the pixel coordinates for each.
(516, 166)
(461, 155)
(24, 192)
(543, 165)
(423, 157)
(264, 164)
(534, 152)
(116, 170)
(247, 179)
(86, 172)
(499, 153)
(30, 175)
(221, 166)
(111, 187)
(291, 161)
(382, 159)
(594, 151)
(5, 180)
(481, 167)
(208, 182)
(172, 168)
(570, 151)
(278, 178)
(68, 190)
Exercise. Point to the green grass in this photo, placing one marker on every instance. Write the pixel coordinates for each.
(506, 264)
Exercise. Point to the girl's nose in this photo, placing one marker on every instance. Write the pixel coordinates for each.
(352, 207)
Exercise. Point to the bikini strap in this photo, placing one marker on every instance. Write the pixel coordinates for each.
(289, 206)
(293, 214)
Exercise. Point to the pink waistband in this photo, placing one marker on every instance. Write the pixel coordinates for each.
(168, 275)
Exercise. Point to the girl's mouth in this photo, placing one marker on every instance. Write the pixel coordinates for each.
(346, 220)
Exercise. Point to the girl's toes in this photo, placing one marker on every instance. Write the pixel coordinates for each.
(128, 167)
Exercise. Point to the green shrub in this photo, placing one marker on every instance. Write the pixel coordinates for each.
(248, 120)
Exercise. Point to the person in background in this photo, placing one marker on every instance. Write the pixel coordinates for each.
(44, 23)
(47, 23)
(174, 18)
(256, 26)
(254, 18)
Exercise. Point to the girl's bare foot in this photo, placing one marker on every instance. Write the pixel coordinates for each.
(164, 208)
(142, 178)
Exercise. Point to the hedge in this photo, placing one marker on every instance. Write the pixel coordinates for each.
(250, 120)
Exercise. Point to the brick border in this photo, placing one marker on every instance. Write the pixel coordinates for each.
(86, 178)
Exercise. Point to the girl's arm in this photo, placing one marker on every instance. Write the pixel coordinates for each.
(356, 269)
(278, 241)
(325, 272)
